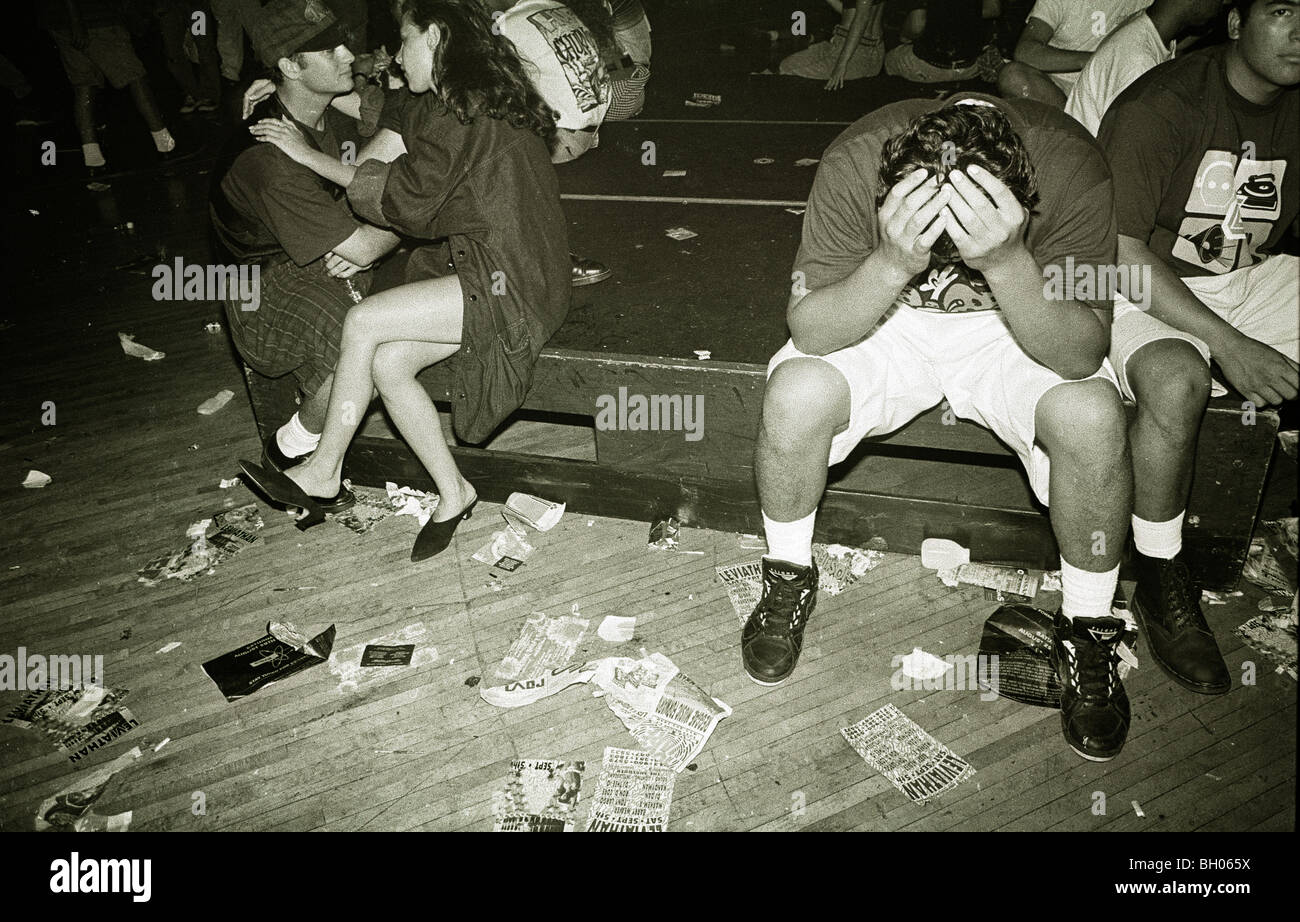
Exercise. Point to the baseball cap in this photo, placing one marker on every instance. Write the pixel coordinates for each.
(287, 27)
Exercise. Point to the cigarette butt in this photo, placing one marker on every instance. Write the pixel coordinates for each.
(1137, 808)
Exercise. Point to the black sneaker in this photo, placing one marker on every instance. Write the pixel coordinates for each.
(1167, 603)
(273, 456)
(773, 636)
(1094, 706)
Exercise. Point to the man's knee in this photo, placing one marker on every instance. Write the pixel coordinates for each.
(805, 396)
(1014, 80)
(1170, 381)
(1084, 420)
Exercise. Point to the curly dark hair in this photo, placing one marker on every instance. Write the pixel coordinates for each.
(477, 72)
(957, 136)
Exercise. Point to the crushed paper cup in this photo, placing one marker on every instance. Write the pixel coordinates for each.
(921, 665)
(35, 480)
(215, 402)
(616, 629)
(541, 514)
(136, 350)
(942, 554)
(681, 233)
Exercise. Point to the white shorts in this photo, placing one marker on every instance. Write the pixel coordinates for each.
(914, 359)
(1262, 301)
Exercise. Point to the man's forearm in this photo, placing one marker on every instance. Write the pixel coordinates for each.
(1170, 300)
(336, 171)
(1064, 335)
(1050, 60)
(839, 315)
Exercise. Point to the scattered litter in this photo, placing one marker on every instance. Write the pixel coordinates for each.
(681, 233)
(1015, 656)
(541, 795)
(921, 665)
(165, 741)
(749, 542)
(634, 793)
(838, 568)
(1271, 563)
(668, 714)
(1137, 808)
(227, 483)
(213, 327)
(703, 354)
(36, 480)
(236, 529)
(704, 100)
(942, 554)
(1210, 597)
(33, 212)
(97, 186)
(1213, 775)
(807, 161)
(194, 447)
(215, 402)
(167, 648)
(254, 665)
(914, 761)
(763, 161)
(473, 681)
(372, 507)
(407, 501)
(1275, 601)
(663, 534)
(1051, 581)
(80, 720)
(544, 643)
(135, 349)
(796, 210)
(1287, 439)
(506, 550)
(69, 808)
(673, 173)
(1274, 635)
(1007, 584)
(616, 629)
(380, 658)
(541, 514)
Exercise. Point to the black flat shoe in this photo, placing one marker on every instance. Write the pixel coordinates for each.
(435, 536)
(280, 489)
(274, 458)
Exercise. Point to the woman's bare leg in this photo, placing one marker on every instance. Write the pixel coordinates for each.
(412, 409)
(430, 311)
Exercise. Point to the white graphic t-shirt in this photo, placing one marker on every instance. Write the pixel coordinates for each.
(560, 55)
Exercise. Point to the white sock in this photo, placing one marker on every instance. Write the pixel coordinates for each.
(295, 440)
(1085, 594)
(790, 541)
(163, 140)
(94, 156)
(1159, 539)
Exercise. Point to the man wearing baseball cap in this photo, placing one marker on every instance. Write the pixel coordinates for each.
(314, 254)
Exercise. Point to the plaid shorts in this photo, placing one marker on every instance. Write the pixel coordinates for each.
(298, 326)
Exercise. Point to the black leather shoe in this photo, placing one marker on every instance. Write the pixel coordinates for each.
(1167, 603)
(279, 489)
(1095, 712)
(587, 271)
(772, 639)
(434, 537)
(273, 457)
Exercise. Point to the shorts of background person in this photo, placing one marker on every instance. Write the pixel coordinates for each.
(634, 40)
(108, 54)
(233, 18)
(903, 62)
(571, 143)
(628, 92)
(817, 61)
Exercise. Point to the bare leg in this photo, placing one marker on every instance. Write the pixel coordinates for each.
(145, 104)
(312, 412)
(1172, 385)
(429, 311)
(409, 404)
(1020, 81)
(1081, 424)
(83, 112)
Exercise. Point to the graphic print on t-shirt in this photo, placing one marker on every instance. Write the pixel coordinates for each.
(1230, 211)
(953, 288)
(577, 54)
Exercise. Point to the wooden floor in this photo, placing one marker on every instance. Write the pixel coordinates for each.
(133, 466)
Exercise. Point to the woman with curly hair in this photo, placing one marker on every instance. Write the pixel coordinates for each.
(476, 170)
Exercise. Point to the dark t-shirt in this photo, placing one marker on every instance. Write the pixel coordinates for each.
(276, 205)
(1075, 216)
(955, 33)
(1206, 178)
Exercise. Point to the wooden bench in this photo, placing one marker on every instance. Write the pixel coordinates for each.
(709, 483)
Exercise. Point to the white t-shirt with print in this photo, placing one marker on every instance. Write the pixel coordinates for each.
(560, 55)
(1126, 54)
(1081, 26)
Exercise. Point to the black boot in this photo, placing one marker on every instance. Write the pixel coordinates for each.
(1094, 706)
(1167, 603)
(773, 636)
